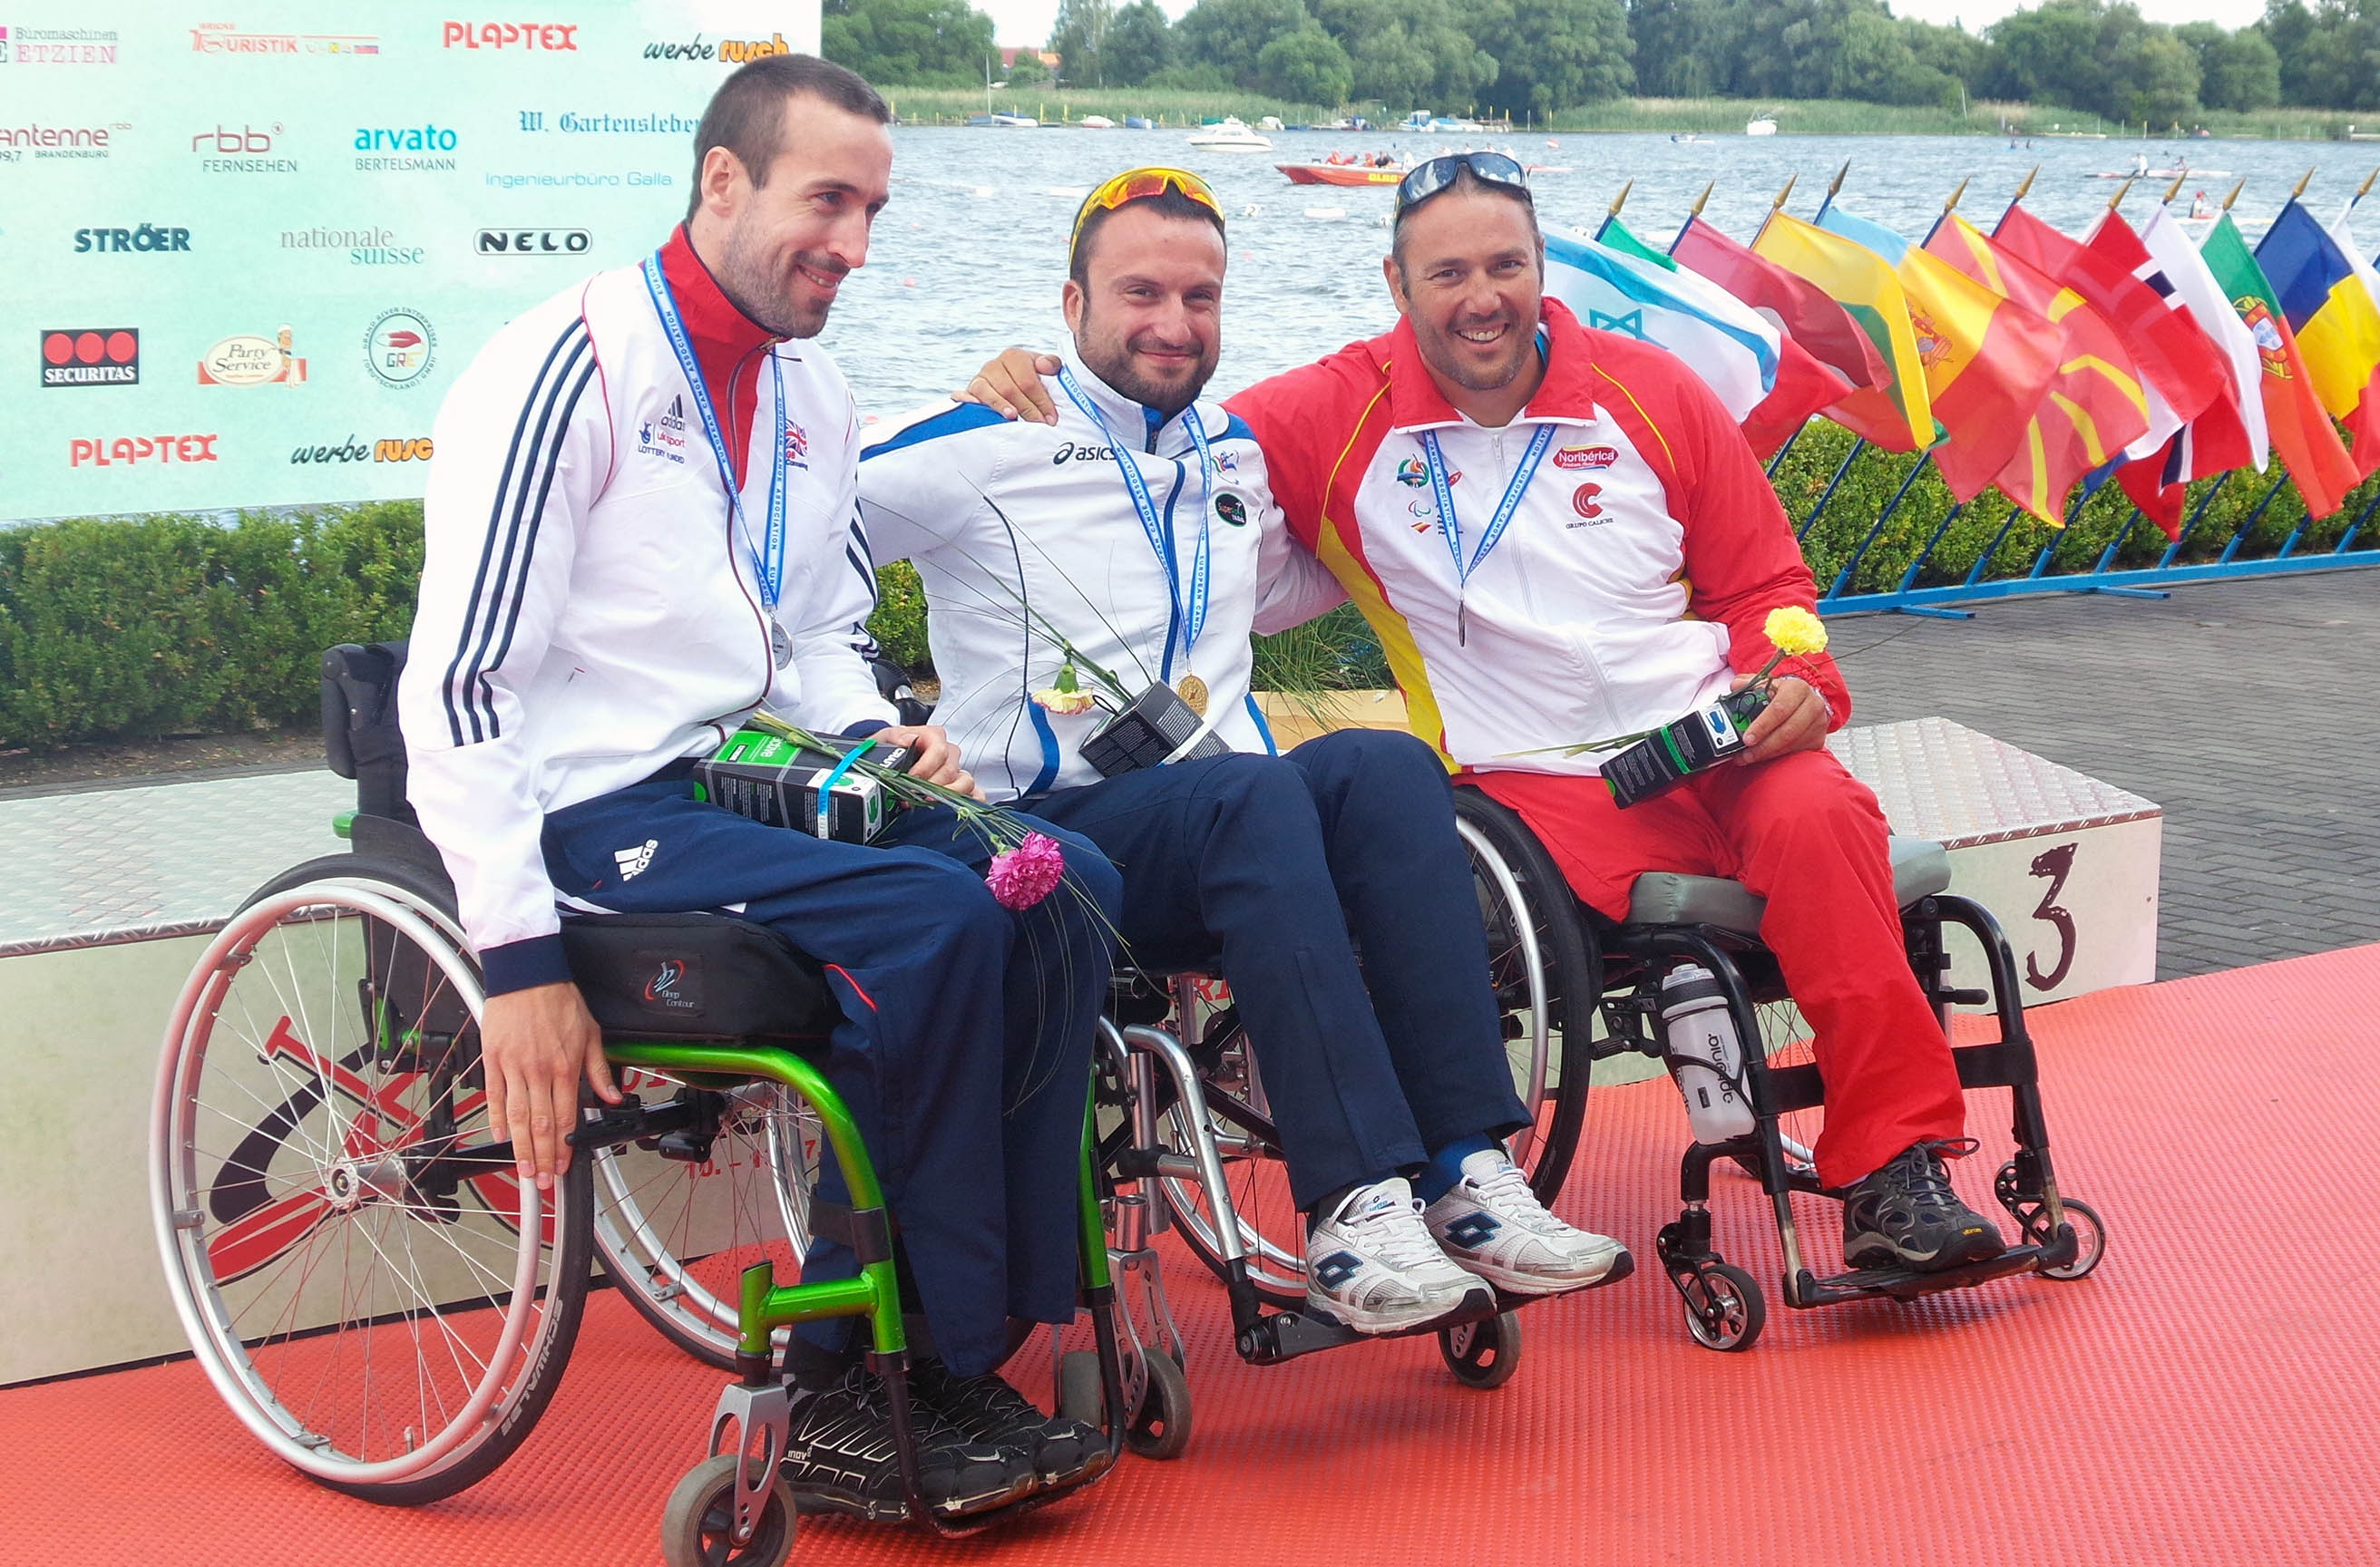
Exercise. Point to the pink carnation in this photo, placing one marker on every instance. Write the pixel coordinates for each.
(1023, 876)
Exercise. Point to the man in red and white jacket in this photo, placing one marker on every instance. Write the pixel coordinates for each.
(1612, 552)
(641, 525)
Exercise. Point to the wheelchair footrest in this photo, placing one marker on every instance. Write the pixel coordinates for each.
(1907, 1284)
(1284, 1335)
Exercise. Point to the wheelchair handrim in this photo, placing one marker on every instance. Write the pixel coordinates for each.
(191, 1280)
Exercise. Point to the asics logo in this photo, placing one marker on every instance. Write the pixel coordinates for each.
(1337, 1268)
(1067, 449)
(633, 861)
(1473, 1230)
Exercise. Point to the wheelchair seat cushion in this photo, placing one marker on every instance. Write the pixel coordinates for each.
(1920, 869)
(697, 977)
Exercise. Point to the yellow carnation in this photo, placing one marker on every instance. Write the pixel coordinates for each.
(1062, 701)
(1795, 632)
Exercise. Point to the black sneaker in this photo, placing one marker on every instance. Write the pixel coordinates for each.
(840, 1457)
(986, 1409)
(1906, 1216)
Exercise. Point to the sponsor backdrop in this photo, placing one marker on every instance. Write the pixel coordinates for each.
(247, 248)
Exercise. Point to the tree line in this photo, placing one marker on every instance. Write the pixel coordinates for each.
(1541, 56)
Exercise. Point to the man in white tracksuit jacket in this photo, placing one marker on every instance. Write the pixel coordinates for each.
(602, 604)
(1026, 533)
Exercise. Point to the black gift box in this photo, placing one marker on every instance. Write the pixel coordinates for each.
(1147, 733)
(1683, 748)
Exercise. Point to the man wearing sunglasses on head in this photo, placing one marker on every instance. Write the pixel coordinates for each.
(1132, 537)
(1559, 534)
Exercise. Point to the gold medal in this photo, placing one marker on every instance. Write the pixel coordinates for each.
(1192, 692)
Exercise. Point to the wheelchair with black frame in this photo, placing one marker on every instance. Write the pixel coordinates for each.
(367, 1284)
(1586, 969)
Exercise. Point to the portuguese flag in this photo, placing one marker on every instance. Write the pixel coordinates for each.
(2301, 432)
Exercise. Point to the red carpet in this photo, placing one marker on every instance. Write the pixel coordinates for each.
(2210, 1395)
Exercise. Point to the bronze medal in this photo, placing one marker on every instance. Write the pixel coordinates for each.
(1192, 692)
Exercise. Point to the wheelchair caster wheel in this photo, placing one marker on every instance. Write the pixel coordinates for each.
(697, 1527)
(1161, 1426)
(1482, 1354)
(1724, 1310)
(2091, 1241)
(1081, 1394)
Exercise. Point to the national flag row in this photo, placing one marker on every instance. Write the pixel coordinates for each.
(2023, 360)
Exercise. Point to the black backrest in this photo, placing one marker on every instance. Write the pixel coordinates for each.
(361, 739)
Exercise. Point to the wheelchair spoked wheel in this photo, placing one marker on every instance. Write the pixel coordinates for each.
(386, 1310)
(1537, 953)
(1271, 1230)
(675, 1225)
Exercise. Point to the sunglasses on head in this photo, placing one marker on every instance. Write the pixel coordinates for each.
(1139, 185)
(1435, 176)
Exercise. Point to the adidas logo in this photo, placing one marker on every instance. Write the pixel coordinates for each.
(633, 861)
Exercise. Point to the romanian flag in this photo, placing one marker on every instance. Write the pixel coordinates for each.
(2300, 428)
(1896, 414)
(2365, 423)
(1988, 361)
(1805, 384)
(2095, 406)
(2326, 305)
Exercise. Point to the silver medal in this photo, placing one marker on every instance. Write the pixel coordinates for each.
(781, 647)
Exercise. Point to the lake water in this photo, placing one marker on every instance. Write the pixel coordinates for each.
(971, 254)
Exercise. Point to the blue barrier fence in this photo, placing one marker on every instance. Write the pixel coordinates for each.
(1911, 555)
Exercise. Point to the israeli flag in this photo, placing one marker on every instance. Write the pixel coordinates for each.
(1727, 343)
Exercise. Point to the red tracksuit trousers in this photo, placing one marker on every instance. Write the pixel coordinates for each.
(1806, 835)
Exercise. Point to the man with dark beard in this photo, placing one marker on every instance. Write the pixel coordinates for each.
(639, 528)
(1117, 555)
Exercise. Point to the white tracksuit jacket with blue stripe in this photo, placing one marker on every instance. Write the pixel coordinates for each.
(588, 613)
(999, 515)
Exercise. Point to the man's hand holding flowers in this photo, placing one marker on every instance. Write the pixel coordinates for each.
(1796, 717)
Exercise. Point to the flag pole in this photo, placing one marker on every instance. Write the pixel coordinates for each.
(2363, 190)
(1834, 188)
(2235, 193)
(1696, 210)
(1612, 214)
(2118, 198)
(1776, 205)
(2173, 189)
(2025, 184)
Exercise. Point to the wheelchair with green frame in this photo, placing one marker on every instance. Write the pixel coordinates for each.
(1586, 969)
(367, 1284)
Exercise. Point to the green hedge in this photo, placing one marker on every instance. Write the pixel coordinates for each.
(131, 627)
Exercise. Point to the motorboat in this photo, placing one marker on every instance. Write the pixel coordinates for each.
(1003, 122)
(1096, 122)
(1231, 134)
(1138, 122)
(1348, 173)
(1765, 126)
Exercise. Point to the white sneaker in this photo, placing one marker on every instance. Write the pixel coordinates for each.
(1372, 1266)
(1491, 1223)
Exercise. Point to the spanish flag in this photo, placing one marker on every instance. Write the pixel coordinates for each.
(2294, 412)
(2338, 324)
(1898, 417)
(1988, 361)
(2095, 406)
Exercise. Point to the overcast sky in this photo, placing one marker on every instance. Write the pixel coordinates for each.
(1028, 21)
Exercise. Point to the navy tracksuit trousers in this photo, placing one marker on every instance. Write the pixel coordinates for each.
(1265, 866)
(965, 1049)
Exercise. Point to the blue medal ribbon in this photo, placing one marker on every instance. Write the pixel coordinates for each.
(1449, 527)
(1193, 616)
(768, 557)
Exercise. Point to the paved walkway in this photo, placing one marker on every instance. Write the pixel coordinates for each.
(2245, 709)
